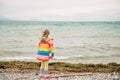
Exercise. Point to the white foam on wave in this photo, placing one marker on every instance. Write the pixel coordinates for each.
(61, 57)
(33, 58)
(67, 57)
(29, 58)
(16, 58)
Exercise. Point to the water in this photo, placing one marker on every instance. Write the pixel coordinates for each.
(75, 42)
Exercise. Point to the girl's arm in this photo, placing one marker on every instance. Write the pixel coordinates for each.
(51, 47)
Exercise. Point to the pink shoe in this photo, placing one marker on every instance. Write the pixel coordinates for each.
(41, 76)
(47, 76)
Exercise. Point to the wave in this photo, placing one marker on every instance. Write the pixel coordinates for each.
(67, 57)
(16, 58)
(85, 56)
(76, 57)
(33, 58)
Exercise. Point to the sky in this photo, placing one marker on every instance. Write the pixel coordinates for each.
(60, 10)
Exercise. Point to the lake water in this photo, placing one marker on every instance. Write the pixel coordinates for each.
(75, 42)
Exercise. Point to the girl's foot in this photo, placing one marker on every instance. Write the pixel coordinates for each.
(47, 76)
(41, 76)
(41, 73)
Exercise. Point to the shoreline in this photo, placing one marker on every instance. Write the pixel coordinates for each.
(62, 66)
(21, 70)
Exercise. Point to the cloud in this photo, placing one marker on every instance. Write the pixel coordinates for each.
(75, 10)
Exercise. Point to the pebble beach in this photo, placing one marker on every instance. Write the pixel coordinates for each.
(33, 76)
(94, 76)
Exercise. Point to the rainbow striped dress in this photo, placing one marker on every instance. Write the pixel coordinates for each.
(45, 49)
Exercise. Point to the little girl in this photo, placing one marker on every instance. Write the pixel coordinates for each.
(45, 53)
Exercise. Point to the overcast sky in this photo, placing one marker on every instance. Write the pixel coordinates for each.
(61, 10)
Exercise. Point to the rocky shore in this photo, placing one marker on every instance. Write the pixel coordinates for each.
(19, 70)
(33, 76)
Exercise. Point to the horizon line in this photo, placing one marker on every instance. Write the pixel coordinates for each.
(66, 20)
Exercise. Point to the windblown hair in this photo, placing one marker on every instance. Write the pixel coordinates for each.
(46, 33)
